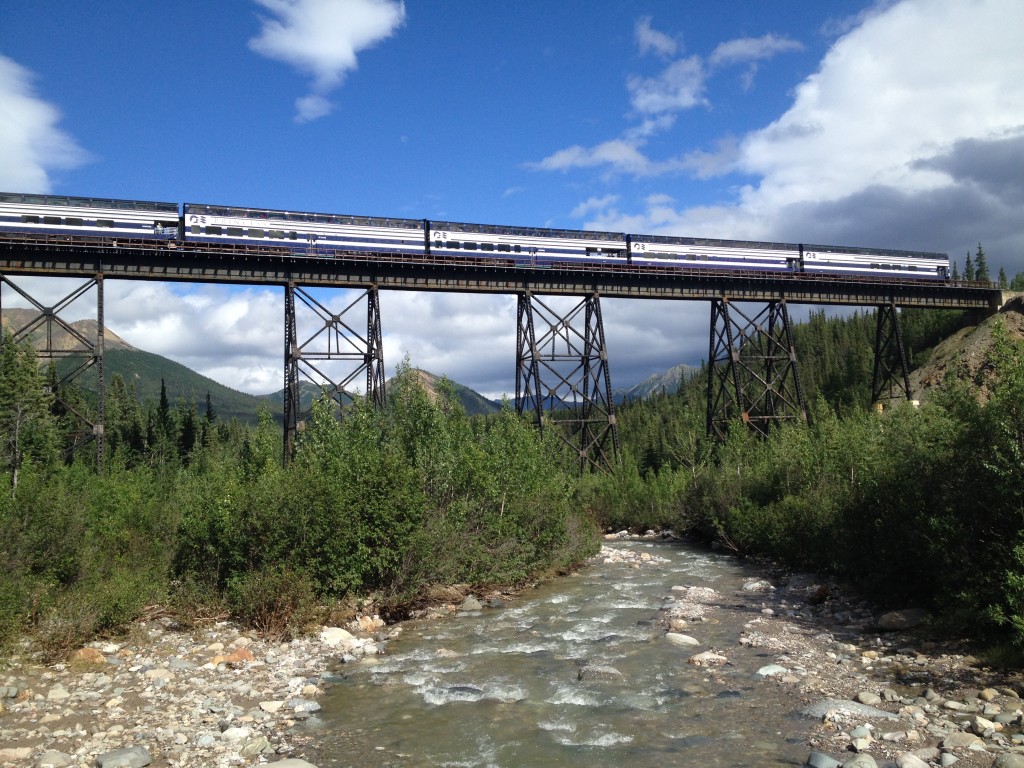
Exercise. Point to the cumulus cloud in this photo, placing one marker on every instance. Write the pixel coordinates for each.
(322, 38)
(649, 39)
(32, 145)
(910, 134)
(657, 100)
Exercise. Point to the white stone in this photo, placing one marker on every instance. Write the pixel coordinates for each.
(271, 706)
(677, 638)
(335, 636)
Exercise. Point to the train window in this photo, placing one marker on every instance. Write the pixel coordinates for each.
(470, 246)
(194, 229)
(26, 219)
(232, 231)
(214, 230)
(104, 222)
(486, 246)
(518, 248)
(504, 247)
(51, 219)
(253, 232)
(73, 221)
(293, 235)
(276, 233)
(453, 243)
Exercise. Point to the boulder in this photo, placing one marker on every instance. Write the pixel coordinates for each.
(908, 618)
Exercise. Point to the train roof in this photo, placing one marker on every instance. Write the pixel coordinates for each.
(309, 216)
(500, 229)
(767, 245)
(87, 202)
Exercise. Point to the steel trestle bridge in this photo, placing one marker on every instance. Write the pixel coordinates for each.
(562, 360)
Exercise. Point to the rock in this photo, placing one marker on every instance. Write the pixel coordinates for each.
(820, 760)
(908, 618)
(771, 670)
(336, 636)
(15, 754)
(679, 639)
(235, 734)
(57, 693)
(255, 747)
(708, 659)
(871, 699)
(910, 760)
(471, 604)
(157, 674)
(303, 705)
(757, 585)
(131, 757)
(292, 762)
(961, 740)
(54, 759)
(598, 672)
(1009, 760)
(861, 760)
(822, 708)
(947, 759)
(988, 694)
(271, 706)
(236, 658)
(370, 623)
(981, 726)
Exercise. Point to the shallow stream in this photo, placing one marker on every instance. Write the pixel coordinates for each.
(502, 686)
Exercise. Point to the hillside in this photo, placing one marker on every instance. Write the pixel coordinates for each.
(967, 353)
(666, 382)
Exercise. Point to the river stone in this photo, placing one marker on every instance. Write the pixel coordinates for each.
(869, 698)
(708, 659)
(471, 604)
(54, 759)
(960, 740)
(677, 638)
(292, 762)
(861, 760)
(771, 670)
(910, 760)
(14, 754)
(820, 760)
(822, 708)
(131, 757)
(1009, 760)
(336, 636)
(908, 618)
(598, 672)
(255, 747)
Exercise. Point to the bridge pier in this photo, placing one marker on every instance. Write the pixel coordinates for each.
(890, 379)
(565, 372)
(84, 351)
(334, 356)
(752, 368)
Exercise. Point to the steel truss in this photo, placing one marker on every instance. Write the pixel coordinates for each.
(565, 372)
(83, 352)
(752, 368)
(891, 377)
(333, 340)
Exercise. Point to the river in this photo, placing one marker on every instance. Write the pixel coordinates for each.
(528, 684)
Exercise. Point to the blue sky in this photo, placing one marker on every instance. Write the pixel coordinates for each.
(894, 124)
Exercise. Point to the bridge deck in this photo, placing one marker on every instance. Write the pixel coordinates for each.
(158, 260)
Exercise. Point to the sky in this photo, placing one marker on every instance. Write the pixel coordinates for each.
(894, 124)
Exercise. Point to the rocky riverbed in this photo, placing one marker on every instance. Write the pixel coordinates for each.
(873, 690)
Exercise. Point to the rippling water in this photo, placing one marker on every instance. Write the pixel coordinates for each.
(501, 687)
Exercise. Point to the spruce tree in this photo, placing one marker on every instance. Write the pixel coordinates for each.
(1003, 283)
(969, 268)
(981, 265)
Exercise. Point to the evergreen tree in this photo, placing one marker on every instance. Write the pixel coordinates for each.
(28, 426)
(969, 273)
(1017, 284)
(1003, 283)
(981, 265)
(956, 271)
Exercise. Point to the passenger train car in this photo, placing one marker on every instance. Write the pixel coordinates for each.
(326, 235)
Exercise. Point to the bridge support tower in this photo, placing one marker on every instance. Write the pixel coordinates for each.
(564, 371)
(334, 356)
(752, 368)
(55, 340)
(891, 377)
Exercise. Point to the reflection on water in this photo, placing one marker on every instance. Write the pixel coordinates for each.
(504, 687)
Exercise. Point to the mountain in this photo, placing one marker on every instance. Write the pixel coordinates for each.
(144, 370)
(665, 382)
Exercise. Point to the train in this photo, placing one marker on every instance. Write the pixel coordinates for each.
(327, 235)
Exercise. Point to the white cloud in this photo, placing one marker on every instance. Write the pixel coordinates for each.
(648, 39)
(322, 38)
(31, 144)
(746, 49)
(679, 86)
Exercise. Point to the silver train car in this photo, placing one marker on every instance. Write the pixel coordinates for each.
(329, 235)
